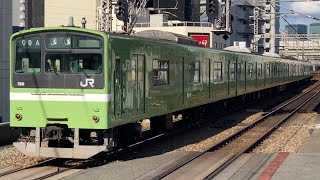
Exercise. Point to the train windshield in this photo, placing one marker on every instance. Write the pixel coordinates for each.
(65, 60)
(74, 63)
(28, 55)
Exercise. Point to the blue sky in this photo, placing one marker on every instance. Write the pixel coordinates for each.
(307, 8)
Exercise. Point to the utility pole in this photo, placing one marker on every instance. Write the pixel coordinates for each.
(135, 10)
(255, 18)
(106, 16)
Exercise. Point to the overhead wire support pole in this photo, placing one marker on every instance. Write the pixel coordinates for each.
(135, 13)
(106, 16)
(256, 28)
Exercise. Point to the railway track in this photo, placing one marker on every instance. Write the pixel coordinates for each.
(51, 168)
(58, 168)
(212, 161)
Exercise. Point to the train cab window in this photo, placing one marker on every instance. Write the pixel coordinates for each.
(217, 71)
(250, 70)
(194, 72)
(28, 55)
(74, 63)
(259, 70)
(160, 72)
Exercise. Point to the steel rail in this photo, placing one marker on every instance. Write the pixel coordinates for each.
(233, 158)
(234, 136)
(28, 167)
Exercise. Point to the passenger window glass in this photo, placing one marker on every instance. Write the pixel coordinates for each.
(160, 72)
(250, 70)
(259, 70)
(268, 70)
(194, 72)
(239, 71)
(232, 71)
(74, 63)
(217, 71)
(28, 55)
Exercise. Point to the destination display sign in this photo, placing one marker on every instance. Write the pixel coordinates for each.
(32, 42)
(71, 42)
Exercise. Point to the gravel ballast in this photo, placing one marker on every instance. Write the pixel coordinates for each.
(290, 136)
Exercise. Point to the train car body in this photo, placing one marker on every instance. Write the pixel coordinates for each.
(71, 88)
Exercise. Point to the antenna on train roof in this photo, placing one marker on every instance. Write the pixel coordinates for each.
(84, 22)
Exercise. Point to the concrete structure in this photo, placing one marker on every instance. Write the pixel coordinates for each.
(5, 32)
(16, 21)
(182, 10)
(242, 26)
(34, 14)
(296, 29)
(57, 12)
(302, 48)
(184, 28)
(271, 26)
(315, 28)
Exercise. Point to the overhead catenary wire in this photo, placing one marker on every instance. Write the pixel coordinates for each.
(295, 12)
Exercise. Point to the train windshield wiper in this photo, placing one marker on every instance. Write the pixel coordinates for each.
(85, 73)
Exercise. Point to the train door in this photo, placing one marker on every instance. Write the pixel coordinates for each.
(137, 80)
(231, 62)
(118, 91)
(180, 78)
(240, 77)
(129, 85)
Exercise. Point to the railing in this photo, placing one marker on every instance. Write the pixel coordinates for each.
(175, 23)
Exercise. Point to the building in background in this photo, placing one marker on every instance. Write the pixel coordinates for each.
(5, 33)
(17, 17)
(296, 29)
(178, 13)
(34, 13)
(242, 23)
(182, 10)
(315, 28)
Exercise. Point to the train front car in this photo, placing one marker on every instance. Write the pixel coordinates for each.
(58, 92)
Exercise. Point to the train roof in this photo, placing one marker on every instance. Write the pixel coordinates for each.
(160, 36)
(167, 36)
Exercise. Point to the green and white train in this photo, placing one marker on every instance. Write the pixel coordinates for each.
(74, 91)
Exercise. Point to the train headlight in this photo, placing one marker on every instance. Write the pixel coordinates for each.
(18, 117)
(95, 119)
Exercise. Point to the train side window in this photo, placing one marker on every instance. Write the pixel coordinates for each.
(160, 72)
(268, 70)
(250, 70)
(194, 72)
(239, 71)
(232, 71)
(217, 71)
(259, 70)
(117, 70)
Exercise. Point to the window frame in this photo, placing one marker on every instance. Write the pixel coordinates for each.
(260, 70)
(79, 72)
(191, 81)
(232, 72)
(160, 69)
(250, 70)
(15, 54)
(217, 70)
